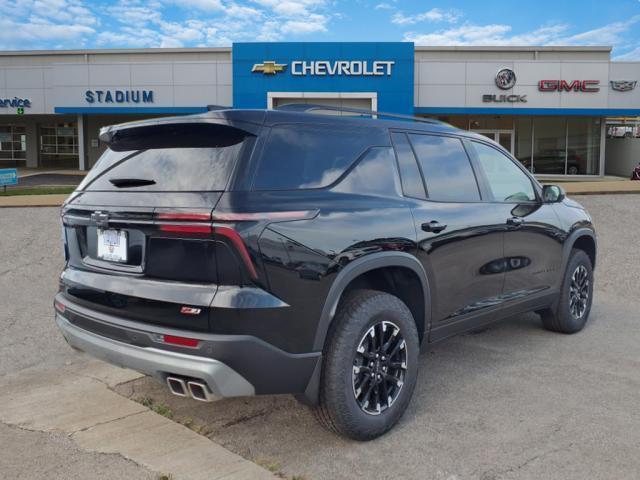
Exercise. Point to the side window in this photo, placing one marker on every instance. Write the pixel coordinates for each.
(307, 156)
(375, 174)
(446, 168)
(507, 182)
(410, 177)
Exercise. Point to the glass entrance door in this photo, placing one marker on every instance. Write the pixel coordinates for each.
(503, 137)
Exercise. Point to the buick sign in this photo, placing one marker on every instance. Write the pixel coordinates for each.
(505, 78)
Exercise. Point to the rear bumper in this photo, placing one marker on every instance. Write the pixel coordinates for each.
(230, 365)
(221, 380)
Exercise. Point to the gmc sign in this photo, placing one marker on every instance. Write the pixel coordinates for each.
(564, 86)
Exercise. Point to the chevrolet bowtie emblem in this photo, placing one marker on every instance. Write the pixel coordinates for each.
(269, 68)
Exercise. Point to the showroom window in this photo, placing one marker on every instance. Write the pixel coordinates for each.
(59, 145)
(583, 149)
(549, 145)
(562, 146)
(13, 146)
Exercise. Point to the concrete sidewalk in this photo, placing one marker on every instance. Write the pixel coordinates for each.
(600, 187)
(78, 401)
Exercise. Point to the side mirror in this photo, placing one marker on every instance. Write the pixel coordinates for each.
(553, 194)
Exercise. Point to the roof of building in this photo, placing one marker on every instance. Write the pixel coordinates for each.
(488, 48)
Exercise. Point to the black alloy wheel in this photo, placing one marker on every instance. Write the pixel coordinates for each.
(379, 367)
(579, 292)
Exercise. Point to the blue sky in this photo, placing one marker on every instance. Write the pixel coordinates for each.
(68, 24)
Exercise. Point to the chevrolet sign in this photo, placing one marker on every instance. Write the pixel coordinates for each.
(342, 67)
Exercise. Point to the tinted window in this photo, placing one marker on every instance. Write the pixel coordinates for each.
(446, 168)
(412, 185)
(170, 169)
(375, 174)
(507, 182)
(302, 156)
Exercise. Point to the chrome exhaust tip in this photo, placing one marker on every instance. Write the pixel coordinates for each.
(200, 391)
(177, 386)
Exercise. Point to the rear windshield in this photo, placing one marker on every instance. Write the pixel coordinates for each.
(162, 164)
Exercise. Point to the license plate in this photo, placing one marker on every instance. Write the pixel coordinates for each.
(112, 245)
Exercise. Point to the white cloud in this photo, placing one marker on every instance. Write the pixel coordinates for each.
(384, 6)
(610, 34)
(501, 34)
(204, 5)
(45, 24)
(433, 15)
(314, 23)
(632, 55)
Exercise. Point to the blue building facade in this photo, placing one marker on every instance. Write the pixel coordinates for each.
(383, 71)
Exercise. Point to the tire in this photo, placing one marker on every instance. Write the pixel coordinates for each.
(570, 316)
(339, 409)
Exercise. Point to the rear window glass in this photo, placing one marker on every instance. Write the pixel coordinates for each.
(375, 174)
(168, 158)
(167, 170)
(302, 156)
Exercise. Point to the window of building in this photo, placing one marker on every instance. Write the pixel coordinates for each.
(59, 145)
(13, 146)
(446, 168)
(549, 145)
(583, 149)
(524, 137)
(507, 182)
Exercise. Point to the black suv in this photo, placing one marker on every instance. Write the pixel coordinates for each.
(243, 252)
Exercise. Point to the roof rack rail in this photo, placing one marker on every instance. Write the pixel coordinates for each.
(310, 107)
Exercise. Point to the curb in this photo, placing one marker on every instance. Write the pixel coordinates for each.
(20, 201)
(78, 400)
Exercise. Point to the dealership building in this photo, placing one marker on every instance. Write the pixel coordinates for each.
(552, 107)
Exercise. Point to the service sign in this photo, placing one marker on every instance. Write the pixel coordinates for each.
(8, 176)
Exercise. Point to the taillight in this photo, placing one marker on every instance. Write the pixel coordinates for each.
(237, 242)
(59, 306)
(190, 222)
(186, 228)
(184, 216)
(259, 216)
(182, 341)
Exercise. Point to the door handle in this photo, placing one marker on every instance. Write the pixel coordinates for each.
(515, 221)
(433, 226)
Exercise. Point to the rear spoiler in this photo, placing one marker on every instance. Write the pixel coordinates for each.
(212, 129)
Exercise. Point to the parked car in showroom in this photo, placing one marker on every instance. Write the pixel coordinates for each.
(552, 162)
(251, 252)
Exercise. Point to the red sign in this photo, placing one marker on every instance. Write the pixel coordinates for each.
(564, 86)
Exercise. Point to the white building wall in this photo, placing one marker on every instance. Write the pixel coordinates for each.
(180, 78)
(459, 77)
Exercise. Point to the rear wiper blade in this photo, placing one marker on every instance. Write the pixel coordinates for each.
(131, 182)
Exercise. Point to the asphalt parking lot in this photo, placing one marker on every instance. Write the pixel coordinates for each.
(510, 402)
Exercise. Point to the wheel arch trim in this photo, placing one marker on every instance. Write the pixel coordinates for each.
(363, 265)
(571, 241)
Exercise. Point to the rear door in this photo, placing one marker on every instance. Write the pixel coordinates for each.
(460, 237)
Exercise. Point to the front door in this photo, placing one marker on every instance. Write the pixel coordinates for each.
(532, 239)
(503, 137)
